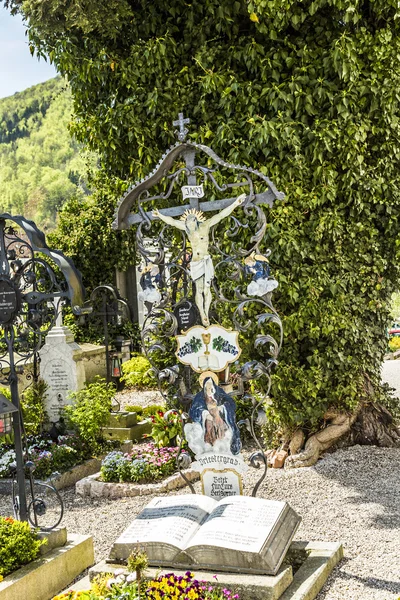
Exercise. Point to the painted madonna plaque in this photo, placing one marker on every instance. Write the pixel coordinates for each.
(212, 348)
(214, 437)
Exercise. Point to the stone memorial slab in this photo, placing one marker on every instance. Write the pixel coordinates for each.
(236, 534)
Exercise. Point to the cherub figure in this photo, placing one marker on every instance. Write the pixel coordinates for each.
(262, 283)
(148, 282)
(197, 229)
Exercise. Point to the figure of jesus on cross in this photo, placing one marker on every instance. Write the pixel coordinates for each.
(197, 229)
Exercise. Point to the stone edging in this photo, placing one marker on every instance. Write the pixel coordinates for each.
(66, 479)
(92, 487)
(44, 577)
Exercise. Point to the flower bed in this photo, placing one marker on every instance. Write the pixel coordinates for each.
(145, 464)
(168, 587)
(48, 456)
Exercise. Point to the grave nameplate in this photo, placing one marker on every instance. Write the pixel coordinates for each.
(57, 373)
(8, 302)
(192, 191)
(219, 484)
(186, 314)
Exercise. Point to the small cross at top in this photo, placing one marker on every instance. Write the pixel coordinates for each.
(181, 122)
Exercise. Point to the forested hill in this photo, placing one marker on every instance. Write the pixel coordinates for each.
(40, 165)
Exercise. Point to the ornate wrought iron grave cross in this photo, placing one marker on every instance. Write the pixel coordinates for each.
(192, 265)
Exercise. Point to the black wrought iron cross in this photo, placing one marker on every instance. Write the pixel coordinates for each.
(181, 122)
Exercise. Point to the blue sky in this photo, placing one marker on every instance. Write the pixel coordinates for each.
(18, 69)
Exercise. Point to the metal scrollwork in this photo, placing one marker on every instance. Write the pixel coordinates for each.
(242, 286)
(33, 281)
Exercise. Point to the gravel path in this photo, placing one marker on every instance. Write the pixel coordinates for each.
(391, 374)
(141, 398)
(352, 496)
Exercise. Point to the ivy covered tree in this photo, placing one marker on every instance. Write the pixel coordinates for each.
(307, 92)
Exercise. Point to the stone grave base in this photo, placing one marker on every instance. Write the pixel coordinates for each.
(93, 488)
(64, 559)
(135, 433)
(318, 561)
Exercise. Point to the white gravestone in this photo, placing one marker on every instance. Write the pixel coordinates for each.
(61, 368)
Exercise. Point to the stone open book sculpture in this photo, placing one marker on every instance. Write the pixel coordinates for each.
(237, 534)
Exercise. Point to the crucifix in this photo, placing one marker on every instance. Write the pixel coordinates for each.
(181, 122)
(197, 229)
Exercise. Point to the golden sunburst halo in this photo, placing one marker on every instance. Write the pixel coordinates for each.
(193, 211)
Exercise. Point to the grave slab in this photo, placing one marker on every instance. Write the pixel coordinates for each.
(313, 573)
(56, 538)
(122, 419)
(134, 433)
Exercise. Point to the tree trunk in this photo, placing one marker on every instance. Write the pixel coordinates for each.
(370, 424)
(374, 426)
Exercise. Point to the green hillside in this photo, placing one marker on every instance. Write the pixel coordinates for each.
(40, 165)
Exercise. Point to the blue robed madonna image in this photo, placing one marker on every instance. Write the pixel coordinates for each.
(213, 415)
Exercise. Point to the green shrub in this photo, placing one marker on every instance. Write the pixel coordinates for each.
(90, 410)
(136, 373)
(32, 404)
(18, 545)
(134, 408)
(166, 428)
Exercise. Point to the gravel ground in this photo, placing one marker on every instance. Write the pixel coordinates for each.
(352, 496)
(141, 398)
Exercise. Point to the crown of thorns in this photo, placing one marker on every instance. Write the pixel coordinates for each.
(196, 213)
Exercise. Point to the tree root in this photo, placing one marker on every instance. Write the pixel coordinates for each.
(340, 424)
(370, 424)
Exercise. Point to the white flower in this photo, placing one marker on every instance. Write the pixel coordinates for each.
(5, 461)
